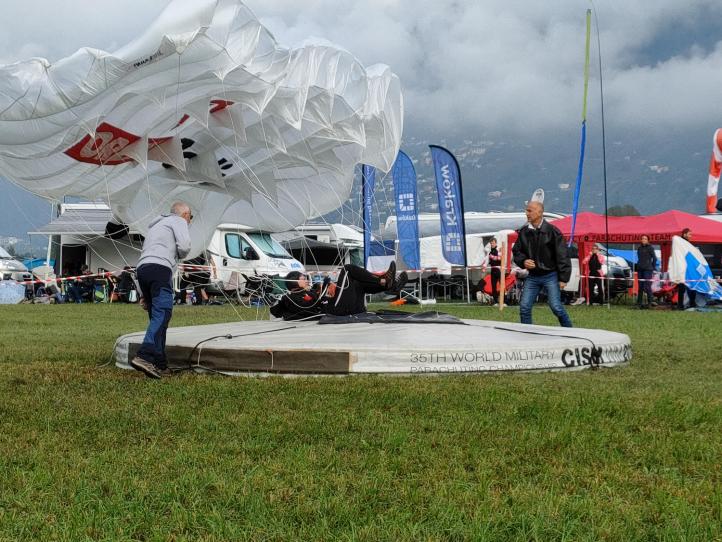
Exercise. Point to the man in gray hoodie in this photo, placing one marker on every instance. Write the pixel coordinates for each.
(168, 241)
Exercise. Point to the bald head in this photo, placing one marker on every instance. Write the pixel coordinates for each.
(181, 209)
(535, 213)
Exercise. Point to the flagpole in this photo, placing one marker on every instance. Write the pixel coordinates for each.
(463, 232)
(580, 168)
(363, 213)
(604, 156)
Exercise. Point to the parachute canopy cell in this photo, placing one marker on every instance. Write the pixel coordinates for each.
(204, 107)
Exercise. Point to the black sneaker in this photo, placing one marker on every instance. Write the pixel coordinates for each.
(399, 283)
(390, 275)
(145, 367)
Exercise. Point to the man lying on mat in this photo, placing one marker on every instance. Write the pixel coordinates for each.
(344, 297)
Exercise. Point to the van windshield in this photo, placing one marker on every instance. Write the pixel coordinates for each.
(4, 254)
(269, 245)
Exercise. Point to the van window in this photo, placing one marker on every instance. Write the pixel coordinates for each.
(236, 245)
(269, 245)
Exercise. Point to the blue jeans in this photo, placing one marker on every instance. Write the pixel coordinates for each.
(157, 289)
(533, 284)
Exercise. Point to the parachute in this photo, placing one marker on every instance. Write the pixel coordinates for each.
(204, 107)
(538, 196)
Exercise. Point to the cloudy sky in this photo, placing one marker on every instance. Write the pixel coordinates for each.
(488, 70)
(467, 66)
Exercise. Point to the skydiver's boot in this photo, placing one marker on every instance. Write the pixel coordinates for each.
(398, 283)
(390, 275)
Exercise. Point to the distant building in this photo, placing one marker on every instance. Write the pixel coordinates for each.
(76, 236)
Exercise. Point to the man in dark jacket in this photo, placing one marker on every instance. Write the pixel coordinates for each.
(540, 249)
(682, 287)
(646, 263)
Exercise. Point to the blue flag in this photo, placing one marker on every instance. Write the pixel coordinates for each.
(451, 205)
(368, 183)
(578, 183)
(407, 217)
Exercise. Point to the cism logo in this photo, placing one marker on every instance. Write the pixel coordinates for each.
(452, 242)
(406, 202)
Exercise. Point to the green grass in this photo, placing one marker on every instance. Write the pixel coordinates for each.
(90, 452)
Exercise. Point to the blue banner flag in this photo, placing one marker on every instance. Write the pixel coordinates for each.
(407, 216)
(578, 183)
(451, 205)
(368, 183)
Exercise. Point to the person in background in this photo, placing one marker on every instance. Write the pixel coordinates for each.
(78, 288)
(86, 283)
(493, 261)
(125, 285)
(541, 250)
(196, 278)
(594, 263)
(646, 264)
(682, 287)
(168, 241)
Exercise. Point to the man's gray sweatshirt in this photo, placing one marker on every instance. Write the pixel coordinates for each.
(167, 242)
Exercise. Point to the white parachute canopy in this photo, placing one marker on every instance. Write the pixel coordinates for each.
(204, 107)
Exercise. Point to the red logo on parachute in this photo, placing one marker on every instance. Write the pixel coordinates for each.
(219, 105)
(106, 148)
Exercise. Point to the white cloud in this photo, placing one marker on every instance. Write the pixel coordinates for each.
(53, 29)
(467, 66)
(476, 66)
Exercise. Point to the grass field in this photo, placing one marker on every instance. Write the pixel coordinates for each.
(91, 452)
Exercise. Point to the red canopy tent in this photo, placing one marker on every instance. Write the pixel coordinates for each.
(660, 228)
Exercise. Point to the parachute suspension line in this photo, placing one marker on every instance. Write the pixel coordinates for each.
(177, 87)
(604, 145)
(236, 151)
(236, 144)
(339, 254)
(253, 179)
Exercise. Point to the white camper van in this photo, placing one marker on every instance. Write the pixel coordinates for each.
(239, 252)
(324, 247)
(12, 269)
(475, 222)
